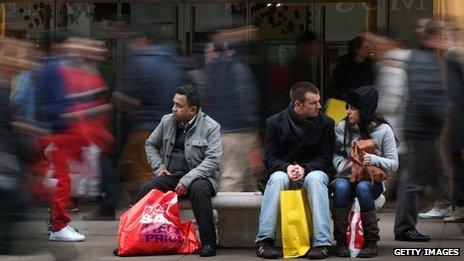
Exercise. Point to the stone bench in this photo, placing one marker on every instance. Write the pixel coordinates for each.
(237, 217)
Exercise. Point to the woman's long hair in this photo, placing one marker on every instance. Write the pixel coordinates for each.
(366, 128)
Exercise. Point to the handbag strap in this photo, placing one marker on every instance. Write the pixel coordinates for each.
(345, 166)
(370, 174)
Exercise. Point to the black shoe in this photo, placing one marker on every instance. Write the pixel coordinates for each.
(412, 235)
(370, 249)
(341, 250)
(319, 252)
(99, 215)
(265, 249)
(207, 250)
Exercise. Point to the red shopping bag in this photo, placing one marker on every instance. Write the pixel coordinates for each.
(153, 226)
(354, 232)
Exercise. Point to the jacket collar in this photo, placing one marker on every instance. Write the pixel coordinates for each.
(199, 119)
(285, 126)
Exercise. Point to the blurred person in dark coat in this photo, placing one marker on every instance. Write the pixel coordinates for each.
(455, 115)
(12, 180)
(424, 119)
(233, 101)
(149, 80)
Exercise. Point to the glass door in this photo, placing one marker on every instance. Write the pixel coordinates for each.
(166, 14)
(286, 47)
(203, 17)
(339, 22)
(284, 50)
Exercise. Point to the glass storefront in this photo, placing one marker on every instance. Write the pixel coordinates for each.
(282, 25)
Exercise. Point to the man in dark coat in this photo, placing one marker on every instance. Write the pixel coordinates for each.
(298, 151)
(353, 70)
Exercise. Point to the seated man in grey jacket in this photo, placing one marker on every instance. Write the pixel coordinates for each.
(185, 151)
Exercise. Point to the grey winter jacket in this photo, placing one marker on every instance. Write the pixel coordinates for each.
(386, 156)
(202, 150)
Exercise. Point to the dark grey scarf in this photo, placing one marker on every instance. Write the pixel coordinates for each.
(300, 127)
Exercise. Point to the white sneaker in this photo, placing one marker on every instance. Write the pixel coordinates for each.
(437, 213)
(66, 234)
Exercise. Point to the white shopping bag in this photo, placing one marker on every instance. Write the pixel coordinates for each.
(354, 232)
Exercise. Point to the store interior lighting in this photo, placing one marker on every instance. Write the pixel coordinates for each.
(276, 4)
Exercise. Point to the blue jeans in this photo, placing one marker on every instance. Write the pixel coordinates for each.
(344, 191)
(315, 184)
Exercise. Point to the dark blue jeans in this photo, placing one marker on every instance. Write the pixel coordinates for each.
(344, 191)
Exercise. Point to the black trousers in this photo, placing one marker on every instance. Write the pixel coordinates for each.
(110, 184)
(200, 193)
(425, 167)
(457, 165)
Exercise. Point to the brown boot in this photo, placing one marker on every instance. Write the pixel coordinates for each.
(340, 219)
(457, 216)
(371, 234)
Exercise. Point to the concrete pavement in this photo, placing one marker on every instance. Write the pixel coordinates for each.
(101, 239)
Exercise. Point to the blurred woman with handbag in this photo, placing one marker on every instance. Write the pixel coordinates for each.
(365, 151)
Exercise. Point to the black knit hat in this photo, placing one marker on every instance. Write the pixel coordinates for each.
(365, 99)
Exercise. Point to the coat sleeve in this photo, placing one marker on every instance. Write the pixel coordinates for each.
(212, 160)
(338, 158)
(53, 96)
(336, 82)
(392, 84)
(246, 93)
(128, 94)
(389, 159)
(272, 159)
(153, 146)
(323, 161)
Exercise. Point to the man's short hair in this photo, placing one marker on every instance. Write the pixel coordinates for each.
(299, 89)
(355, 45)
(192, 94)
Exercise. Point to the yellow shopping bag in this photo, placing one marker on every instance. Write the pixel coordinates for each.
(296, 222)
(336, 110)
